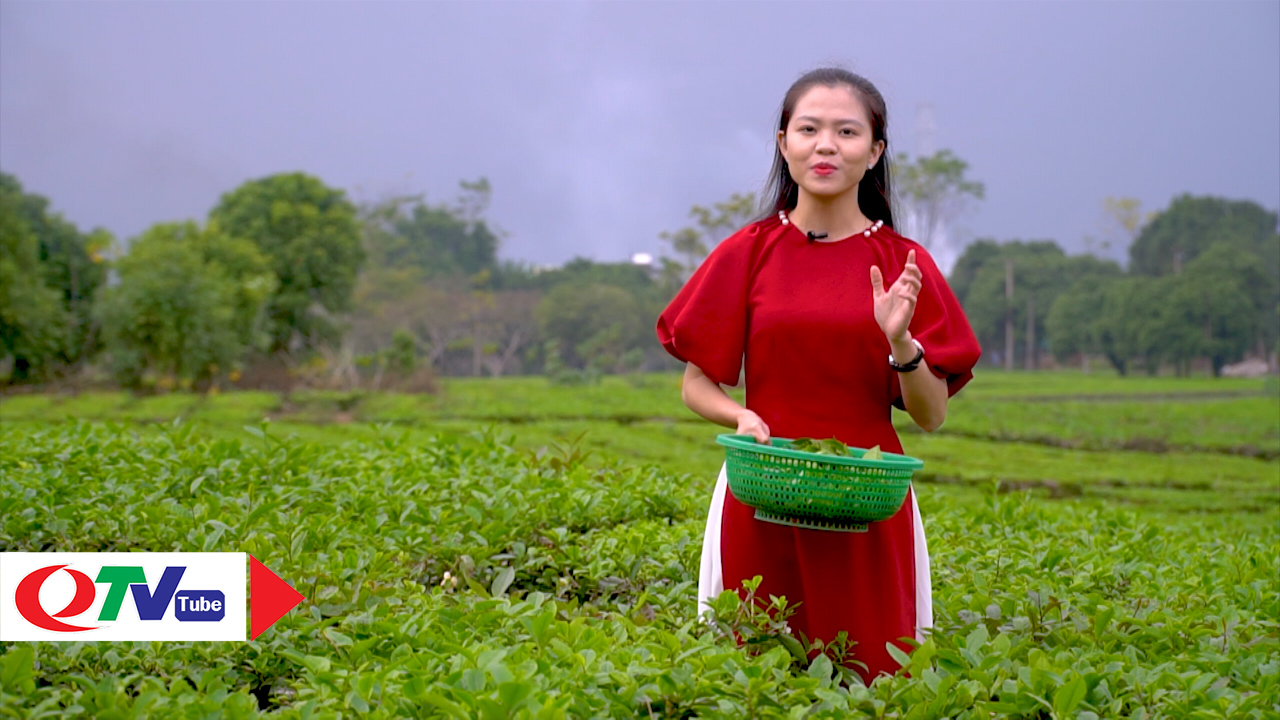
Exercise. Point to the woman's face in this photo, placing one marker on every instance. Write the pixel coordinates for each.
(828, 144)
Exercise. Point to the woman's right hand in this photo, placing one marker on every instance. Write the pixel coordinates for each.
(750, 423)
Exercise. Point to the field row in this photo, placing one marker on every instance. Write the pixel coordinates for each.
(1152, 414)
(1167, 481)
(569, 589)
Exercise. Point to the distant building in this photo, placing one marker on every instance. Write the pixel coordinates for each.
(644, 259)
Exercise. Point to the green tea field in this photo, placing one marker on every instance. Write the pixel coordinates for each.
(1101, 547)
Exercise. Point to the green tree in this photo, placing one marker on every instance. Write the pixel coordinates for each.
(71, 262)
(710, 226)
(975, 255)
(1225, 263)
(1209, 312)
(1072, 324)
(404, 233)
(1106, 315)
(1191, 225)
(594, 326)
(935, 190)
(688, 244)
(583, 271)
(249, 272)
(309, 233)
(1041, 272)
(175, 312)
(1122, 221)
(32, 319)
(1124, 310)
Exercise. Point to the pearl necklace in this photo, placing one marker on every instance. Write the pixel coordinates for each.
(782, 215)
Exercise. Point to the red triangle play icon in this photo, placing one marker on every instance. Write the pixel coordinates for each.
(269, 598)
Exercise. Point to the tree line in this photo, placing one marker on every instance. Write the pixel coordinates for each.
(1202, 285)
(288, 281)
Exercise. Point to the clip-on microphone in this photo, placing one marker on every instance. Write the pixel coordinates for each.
(815, 236)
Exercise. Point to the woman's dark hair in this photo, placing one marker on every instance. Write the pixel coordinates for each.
(874, 196)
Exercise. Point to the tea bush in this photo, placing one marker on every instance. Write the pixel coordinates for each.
(465, 578)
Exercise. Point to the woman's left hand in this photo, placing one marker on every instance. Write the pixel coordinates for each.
(895, 306)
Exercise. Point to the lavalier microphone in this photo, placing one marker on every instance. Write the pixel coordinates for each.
(816, 236)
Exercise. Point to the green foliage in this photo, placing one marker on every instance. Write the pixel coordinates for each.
(1204, 283)
(186, 305)
(1074, 323)
(308, 232)
(934, 189)
(582, 271)
(710, 226)
(404, 354)
(249, 272)
(32, 319)
(1042, 272)
(70, 261)
(434, 241)
(1204, 312)
(45, 338)
(1191, 225)
(1200, 314)
(460, 578)
(976, 255)
(1223, 265)
(594, 325)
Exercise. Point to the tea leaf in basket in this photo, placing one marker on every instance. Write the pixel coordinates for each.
(830, 446)
(805, 445)
(834, 447)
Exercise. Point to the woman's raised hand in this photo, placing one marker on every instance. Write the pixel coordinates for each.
(895, 306)
(750, 423)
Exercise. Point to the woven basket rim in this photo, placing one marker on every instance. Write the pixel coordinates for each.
(780, 447)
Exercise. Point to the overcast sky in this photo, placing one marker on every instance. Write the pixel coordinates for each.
(600, 124)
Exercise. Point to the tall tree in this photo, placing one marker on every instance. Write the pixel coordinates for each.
(245, 267)
(1122, 221)
(309, 232)
(32, 319)
(437, 241)
(975, 255)
(1212, 297)
(1072, 323)
(710, 226)
(934, 190)
(71, 262)
(1191, 225)
(175, 313)
(1042, 272)
(594, 326)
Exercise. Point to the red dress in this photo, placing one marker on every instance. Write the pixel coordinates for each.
(817, 366)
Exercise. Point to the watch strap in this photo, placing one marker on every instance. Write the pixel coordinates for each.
(915, 362)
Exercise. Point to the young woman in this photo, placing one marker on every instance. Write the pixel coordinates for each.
(830, 348)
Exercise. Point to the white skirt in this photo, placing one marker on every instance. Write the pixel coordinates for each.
(711, 572)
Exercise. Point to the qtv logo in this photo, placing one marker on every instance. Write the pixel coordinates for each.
(136, 596)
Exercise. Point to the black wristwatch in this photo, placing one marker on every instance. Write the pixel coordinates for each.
(915, 362)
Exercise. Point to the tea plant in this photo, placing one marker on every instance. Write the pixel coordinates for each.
(462, 577)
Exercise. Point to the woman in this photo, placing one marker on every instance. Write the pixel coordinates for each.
(829, 349)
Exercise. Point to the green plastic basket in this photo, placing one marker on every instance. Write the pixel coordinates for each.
(819, 492)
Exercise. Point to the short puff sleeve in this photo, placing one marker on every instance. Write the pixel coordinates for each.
(939, 324)
(706, 323)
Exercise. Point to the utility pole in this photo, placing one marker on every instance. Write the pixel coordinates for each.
(1008, 314)
(1031, 332)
